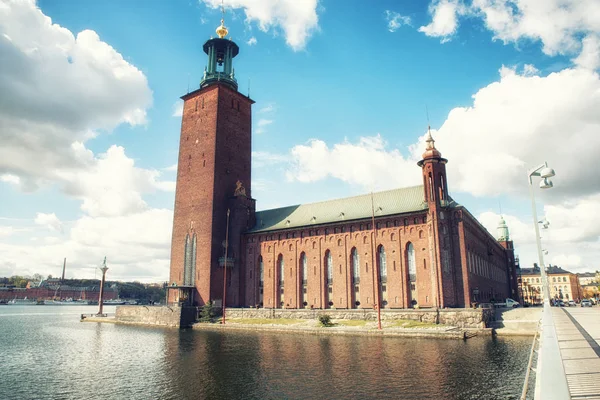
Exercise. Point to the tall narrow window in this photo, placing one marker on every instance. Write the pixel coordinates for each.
(304, 268)
(261, 268)
(442, 188)
(431, 198)
(355, 266)
(281, 269)
(329, 266)
(193, 262)
(382, 264)
(187, 260)
(412, 264)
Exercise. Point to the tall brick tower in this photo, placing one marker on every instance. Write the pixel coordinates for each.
(435, 185)
(503, 237)
(213, 176)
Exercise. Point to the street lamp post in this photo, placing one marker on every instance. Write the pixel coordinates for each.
(101, 296)
(552, 382)
(545, 173)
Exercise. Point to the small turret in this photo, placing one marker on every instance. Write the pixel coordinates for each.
(502, 231)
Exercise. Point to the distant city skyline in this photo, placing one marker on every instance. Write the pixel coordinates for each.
(90, 117)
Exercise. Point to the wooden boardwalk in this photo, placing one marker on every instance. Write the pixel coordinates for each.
(578, 333)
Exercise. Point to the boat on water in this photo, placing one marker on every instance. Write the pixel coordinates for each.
(114, 302)
(25, 302)
(67, 302)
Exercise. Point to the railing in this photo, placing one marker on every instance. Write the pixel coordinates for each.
(529, 368)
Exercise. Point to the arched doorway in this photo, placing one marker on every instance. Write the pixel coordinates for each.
(328, 262)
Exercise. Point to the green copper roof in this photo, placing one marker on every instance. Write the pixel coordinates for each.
(390, 202)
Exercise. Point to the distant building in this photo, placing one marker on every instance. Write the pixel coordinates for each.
(563, 284)
(401, 248)
(58, 289)
(585, 278)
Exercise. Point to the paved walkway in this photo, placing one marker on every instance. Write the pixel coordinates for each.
(578, 334)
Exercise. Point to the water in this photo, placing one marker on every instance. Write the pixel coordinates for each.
(46, 353)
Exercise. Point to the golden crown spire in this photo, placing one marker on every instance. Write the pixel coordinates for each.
(221, 29)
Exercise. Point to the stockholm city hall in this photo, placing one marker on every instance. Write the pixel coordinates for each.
(401, 248)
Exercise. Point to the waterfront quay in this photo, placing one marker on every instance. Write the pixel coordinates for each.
(575, 370)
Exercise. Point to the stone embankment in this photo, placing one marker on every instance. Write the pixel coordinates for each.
(456, 317)
(516, 321)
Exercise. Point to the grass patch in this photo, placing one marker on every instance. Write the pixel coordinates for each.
(351, 322)
(265, 321)
(409, 323)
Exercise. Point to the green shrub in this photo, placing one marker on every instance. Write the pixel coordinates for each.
(207, 313)
(325, 320)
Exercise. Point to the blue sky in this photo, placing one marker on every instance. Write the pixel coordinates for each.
(341, 91)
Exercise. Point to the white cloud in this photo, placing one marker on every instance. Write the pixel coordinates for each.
(590, 53)
(521, 121)
(252, 41)
(50, 221)
(264, 158)
(297, 19)
(567, 27)
(9, 178)
(87, 87)
(367, 163)
(137, 246)
(171, 168)
(395, 20)
(112, 185)
(267, 109)
(6, 231)
(530, 70)
(177, 109)
(262, 124)
(444, 19)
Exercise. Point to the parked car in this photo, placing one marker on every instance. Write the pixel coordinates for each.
(586, 303)
(572, 303)
(509, 303)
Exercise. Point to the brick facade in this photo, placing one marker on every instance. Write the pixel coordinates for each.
(456, 261)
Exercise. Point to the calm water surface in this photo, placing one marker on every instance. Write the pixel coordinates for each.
(46, 353)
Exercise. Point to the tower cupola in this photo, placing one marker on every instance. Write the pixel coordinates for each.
(221, 52)
(502, 231)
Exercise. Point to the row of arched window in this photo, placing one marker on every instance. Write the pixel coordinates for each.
(355, 264)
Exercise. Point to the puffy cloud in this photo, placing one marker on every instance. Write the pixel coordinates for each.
(111, 184)
(267, 109)
(366, 163)
(6, 231)
(252, 41)
(519, 122)
(137, 246)
(63, 88)
(567, 27)
(50, 221)
(444, 19)
(590, 53)
(395, 20)
(297, 19)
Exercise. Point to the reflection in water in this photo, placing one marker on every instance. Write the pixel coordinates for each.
(55, 356)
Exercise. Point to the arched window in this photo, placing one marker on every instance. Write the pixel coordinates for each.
(442, 188)
(281, 268)
(304, 268)
(412, 263)
(329, 267)
(431, 198)
(355, 265)
(382, 264)
(261, 268)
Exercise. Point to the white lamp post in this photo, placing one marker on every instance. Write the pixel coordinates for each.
(550, 372)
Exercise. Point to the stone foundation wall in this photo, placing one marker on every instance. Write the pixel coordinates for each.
(459, 317)
(169, 316)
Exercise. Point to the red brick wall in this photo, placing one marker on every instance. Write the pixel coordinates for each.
(214, 152)
(316, 241)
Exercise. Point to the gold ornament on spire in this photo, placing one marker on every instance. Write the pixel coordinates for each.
(222, 30)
